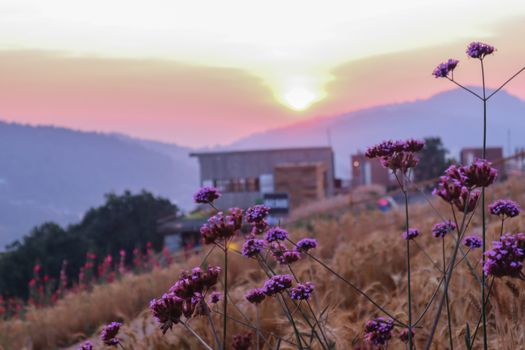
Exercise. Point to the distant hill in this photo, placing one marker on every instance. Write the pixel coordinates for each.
(454, 115)
(49, 173)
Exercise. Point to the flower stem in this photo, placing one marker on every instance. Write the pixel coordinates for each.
(483, 277)
(196, 336)
(410, 344)
(225, 303)
(449, 318)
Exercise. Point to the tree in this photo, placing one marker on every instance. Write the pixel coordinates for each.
(432, 159)
(124, 221)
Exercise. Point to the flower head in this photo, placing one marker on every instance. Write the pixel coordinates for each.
(305, 244)
(411, 233)
(86, 346)
(441, 229)
(506, 256)
(167, 310)
(379, 330)
(255, 296)
(252, 247)
(472, 242)
(443, 69)
(257, 213)
(396, 155)
(479, 50)
(221, 226)
(505, 208)
(480, 174)
(242, 341)
(302, 291)
(277, 284)
(109, 334)
(288, 257)
(206, 195)
(276, 234)
(215, 297)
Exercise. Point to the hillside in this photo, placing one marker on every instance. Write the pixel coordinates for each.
(56, 174)
(454, 115)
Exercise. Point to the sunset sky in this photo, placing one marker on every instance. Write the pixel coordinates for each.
(201, 73)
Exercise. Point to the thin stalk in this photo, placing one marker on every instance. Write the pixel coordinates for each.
(465, 88)
(505, 83)
(225, 303)
(448, 277)
(480, 316)
(213, 329)
(247, 325)
(410, 344)
(449, 320)
(196, 336)
(483, 277)
(296, 330)
(257, 324)
(427, 306)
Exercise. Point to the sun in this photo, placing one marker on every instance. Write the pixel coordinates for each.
(299, 98)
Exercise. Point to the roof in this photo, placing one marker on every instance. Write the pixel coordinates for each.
(245, 151)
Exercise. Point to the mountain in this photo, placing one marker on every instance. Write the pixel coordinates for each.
(56, 174)
(455, 116)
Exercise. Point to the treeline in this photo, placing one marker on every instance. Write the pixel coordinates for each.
(123, 222)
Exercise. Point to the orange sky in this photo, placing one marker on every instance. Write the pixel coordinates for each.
(199, 104)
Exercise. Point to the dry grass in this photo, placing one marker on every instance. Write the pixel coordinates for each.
(364, 246)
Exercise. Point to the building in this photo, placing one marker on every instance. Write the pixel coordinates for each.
(245, 178)
(492, 154)
(370, 172)
(180, 232)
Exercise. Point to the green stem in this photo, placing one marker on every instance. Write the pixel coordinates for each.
(483, 277)
(225, 304)
(449, 320)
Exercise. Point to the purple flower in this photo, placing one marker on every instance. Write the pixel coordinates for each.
(86, 346)
(480, 174)
(305, 244)
(379, 330)
(472, 242)
(277, 284)
(506, 256)
(109, 334)
(289, 257)
(302, 291)
(221, 226)
(276, 234)
(255, 296)
(479, 50)
(396, 155)
(504, 208)
(215, 297)
(411, 233)
(257, 213)
(242, 341)
(252, 247)
(403, 336)
(167, 310)
(441, 229)
(206, 195)
(443, 69)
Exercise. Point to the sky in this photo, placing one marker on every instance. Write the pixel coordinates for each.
(202, 73)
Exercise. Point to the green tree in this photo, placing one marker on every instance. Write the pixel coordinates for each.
(432, 159)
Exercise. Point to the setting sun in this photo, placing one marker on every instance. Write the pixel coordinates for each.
(299, 98)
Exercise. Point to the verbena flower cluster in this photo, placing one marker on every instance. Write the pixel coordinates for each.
(277, 284)
(109, 334)
(256, 217)
(302, 291)
(458, 185)
(276, 234)
(252, 247)
(306, 244)
(206, 195)
(256, 295)
(441, 229)
(184, 296)
(410, 234)
(504, 208)
(472, 242)
(222, 226)
(479, 50)
(379, 330)
(86, 346)
(396, 155)
(445, 68)
(506, 256)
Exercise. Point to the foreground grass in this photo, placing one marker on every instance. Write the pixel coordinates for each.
(364, 246)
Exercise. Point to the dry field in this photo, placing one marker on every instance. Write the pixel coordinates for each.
(364, 246)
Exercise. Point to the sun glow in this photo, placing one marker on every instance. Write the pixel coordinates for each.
(299, 98)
